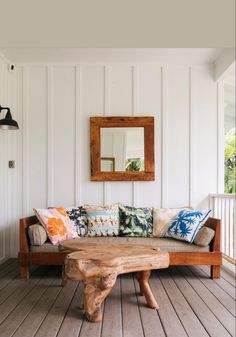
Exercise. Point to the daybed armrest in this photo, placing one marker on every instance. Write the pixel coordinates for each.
(24, 239)
(214, 224)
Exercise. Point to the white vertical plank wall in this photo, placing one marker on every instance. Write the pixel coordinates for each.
(53, 103)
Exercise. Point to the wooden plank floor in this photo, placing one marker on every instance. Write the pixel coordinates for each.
(191, 304)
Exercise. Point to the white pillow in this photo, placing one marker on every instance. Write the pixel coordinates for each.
(162, 218)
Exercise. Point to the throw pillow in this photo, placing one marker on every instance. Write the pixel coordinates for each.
(204, 236)
(135, 221)
(162, 217)
(79, 216)
(103, 220)
(186, 225)
(37, 234)
(57, 224)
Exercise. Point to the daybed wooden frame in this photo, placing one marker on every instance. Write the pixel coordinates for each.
(212, 258)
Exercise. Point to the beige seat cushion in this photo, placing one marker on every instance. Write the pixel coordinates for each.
(166, 244)
(37, 234)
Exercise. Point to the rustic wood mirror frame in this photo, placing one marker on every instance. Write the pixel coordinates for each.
(96, 123)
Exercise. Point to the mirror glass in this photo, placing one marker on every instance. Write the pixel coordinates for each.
(122, 149)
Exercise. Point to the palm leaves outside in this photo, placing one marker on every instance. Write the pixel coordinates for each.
(230, 162)
(134, 165)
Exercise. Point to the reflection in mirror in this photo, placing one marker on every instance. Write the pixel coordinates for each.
(122, 149)
(107, 164)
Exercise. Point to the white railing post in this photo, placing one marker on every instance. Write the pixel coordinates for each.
(223, 207)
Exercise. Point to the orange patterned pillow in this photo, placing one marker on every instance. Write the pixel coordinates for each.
(57, 223)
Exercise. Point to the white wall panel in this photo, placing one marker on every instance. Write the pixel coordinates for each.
(15, 153)
(63, 98)
(37, 137)
(3, 165)
(121, 104)
(205, 136)
(177, 145)
(149, 103)
(52, 151)
(92, 104)
(121, 90)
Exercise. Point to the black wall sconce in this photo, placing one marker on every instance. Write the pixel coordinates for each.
(8, 123)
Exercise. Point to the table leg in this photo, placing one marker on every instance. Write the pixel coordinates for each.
(95, 292)
(145, 289)
(63, 276)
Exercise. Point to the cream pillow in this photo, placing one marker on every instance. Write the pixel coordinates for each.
(204, 236)
(37, 235)
(162, 218)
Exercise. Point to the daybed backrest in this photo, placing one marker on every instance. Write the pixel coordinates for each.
(215, 224)
(24, 238)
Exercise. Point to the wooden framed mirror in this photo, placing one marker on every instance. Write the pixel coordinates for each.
(122, 148)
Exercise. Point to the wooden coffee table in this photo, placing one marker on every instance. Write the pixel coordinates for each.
(98, 265)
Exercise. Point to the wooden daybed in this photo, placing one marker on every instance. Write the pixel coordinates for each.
(212, 257)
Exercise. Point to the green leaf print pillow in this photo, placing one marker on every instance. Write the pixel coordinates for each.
(135, 221)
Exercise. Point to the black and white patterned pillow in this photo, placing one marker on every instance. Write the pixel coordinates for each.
(79, 216)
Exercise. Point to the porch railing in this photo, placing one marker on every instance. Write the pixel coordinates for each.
(223, 207)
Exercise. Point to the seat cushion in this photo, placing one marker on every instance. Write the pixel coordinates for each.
(167, 244)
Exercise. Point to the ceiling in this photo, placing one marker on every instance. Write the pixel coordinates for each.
(113, 23)
(160, 55)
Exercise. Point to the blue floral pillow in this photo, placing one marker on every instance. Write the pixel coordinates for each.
(79, 216)
(186, 225)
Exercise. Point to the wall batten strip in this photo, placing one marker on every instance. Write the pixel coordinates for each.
(78, 149)
(191, 150)
(50, 136)
(12, 174)
(106, 184)
(134, 111)
(25, 142)
(164, 137)
(220, 137)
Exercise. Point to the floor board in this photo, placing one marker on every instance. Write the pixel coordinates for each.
(223, 315)
(5, 265)
(55, 317)
(228, 277)
(132, 325)
(168, 316)
(186, 315)
(226, 286)
(188, 286)
(112, 320)
(224, 298)
(151, 322)
(191, 305)
(33, 321)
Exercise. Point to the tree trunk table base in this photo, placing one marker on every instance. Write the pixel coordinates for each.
(98, 265)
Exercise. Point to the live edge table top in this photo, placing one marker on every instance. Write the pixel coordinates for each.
(96, 260)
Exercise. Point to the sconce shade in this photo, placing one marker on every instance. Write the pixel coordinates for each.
(8, 123)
